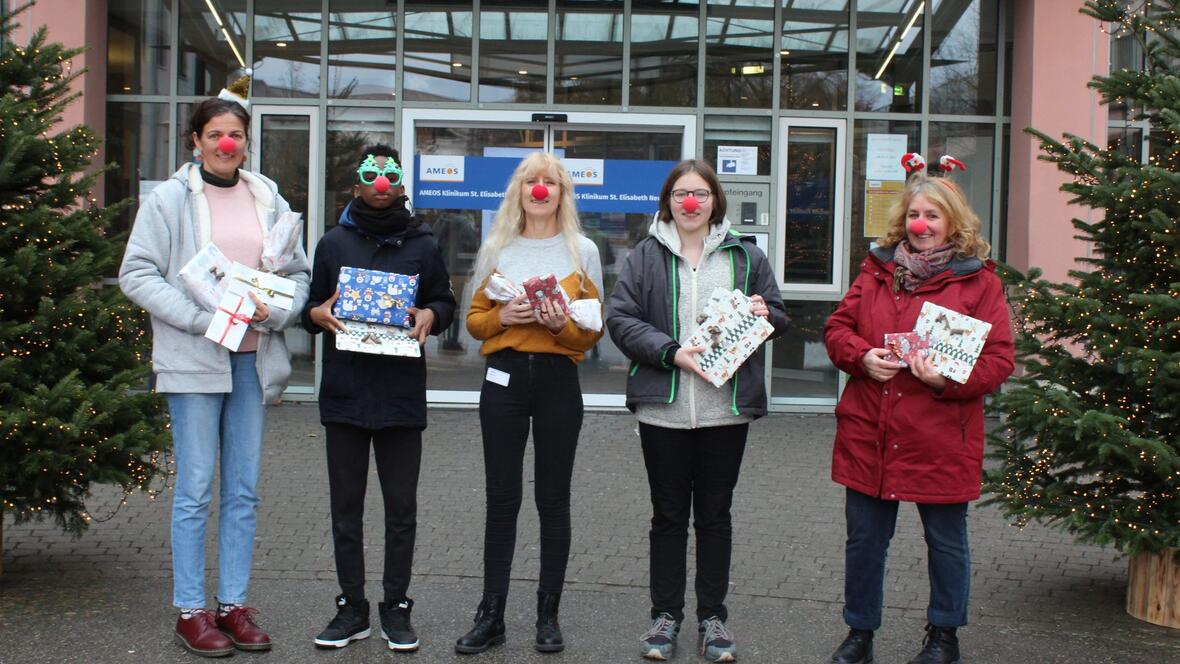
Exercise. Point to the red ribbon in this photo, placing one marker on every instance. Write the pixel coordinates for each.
(234, 317)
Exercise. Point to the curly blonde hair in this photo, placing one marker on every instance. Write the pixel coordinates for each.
(509, 222)
(964, 230)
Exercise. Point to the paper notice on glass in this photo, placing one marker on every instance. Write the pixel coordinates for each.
(737, 160)
(883, 157)
(879, 198)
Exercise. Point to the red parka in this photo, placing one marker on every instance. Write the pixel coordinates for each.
(902, 440)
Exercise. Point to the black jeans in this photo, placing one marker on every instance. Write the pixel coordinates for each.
(691, 470)
(398, 452)
(543, 388)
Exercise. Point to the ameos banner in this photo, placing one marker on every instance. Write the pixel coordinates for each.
(478, 183)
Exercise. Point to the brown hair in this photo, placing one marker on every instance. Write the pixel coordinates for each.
(209, 109)
(963, 229)
(703, 169)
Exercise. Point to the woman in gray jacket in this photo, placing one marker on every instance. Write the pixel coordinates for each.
(216, 397)
(693, 434)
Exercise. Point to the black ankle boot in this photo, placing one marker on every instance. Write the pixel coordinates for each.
(548, 631)
(489, 626)
(857, 648)
(941, 646)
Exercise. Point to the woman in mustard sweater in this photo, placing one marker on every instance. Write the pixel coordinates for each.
(532, 377)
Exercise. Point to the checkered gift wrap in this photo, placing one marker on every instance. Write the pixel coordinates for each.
(729, 334)
(372, 296)
(377, 340)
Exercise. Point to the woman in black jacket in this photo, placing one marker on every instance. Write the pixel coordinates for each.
(375, 399)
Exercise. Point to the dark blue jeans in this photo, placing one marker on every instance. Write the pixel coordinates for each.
(870, 527)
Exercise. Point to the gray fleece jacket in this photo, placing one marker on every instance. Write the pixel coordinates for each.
(698, 404)
(171, 226)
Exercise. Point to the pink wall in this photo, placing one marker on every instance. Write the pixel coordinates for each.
(84, 24)
(1057, 51)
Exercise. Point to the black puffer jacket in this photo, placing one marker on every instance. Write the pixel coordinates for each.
(377, 391)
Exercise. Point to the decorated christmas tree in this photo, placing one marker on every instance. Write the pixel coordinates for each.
(74, 410)
(1090, 441)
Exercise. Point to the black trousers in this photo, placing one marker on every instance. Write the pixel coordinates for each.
(398, 452)
(691, 470)
(542, 389)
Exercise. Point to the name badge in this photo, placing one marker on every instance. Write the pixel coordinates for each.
(498, 377)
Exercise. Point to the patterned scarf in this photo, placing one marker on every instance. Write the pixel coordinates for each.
(913, 269)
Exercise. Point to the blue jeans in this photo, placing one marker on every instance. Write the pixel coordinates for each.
(202, 426)
(870, 527)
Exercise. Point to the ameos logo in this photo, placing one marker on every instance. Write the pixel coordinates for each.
(440, 168)
(585, 171)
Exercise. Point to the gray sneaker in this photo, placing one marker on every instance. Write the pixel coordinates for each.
(717, 641)
(659, 641)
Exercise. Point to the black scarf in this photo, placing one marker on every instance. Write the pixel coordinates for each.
(218, 181)
(382, 223)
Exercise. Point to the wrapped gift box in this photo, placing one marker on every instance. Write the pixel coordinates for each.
(230, 320)
(729, 333)
(281, 241)
(904, 346)
(377, 340)
(204, 276)
(372, 296)
(546, 287)
(955, 340)
(275, 291)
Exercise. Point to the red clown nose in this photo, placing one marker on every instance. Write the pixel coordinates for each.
(691, 204)
(227, 145)
(381, 184)
(918, 226)
(540, 192)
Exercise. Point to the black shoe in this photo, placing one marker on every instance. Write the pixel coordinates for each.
(941, 646)
(350, 624)
(395, 625)
(857, 648)
(489, 626)
(548, 631)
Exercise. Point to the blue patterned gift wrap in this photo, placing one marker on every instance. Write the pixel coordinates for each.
(373, 296)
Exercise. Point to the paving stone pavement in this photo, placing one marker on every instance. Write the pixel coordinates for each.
(1036, 596)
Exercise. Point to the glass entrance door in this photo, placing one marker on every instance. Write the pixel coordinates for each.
(808, 258)
(282, 149)
(456, 180)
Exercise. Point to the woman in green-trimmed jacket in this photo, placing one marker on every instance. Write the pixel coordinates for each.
(693, 434)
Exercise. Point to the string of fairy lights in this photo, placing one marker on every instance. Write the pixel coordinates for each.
(1091, 438)
(55, 176)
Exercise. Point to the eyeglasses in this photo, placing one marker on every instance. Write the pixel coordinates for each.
(368, 171)
(679, 195)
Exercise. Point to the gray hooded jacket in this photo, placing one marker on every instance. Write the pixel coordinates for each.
(171, 226)
(653, 309)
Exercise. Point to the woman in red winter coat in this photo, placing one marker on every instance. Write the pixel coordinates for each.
(906, 433)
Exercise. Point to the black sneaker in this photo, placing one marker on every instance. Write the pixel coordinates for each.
(350, 624)
(941, 646)
(396, 627)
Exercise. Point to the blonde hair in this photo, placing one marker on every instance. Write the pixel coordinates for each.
(509, 222)
(964, 230)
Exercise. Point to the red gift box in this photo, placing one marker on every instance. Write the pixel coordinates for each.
(539, 289)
